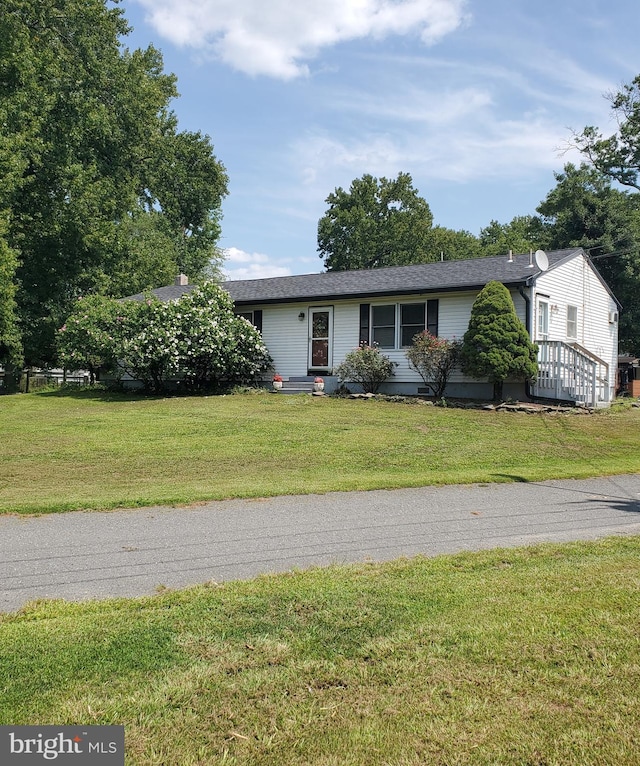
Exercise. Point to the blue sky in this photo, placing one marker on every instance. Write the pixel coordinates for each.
(476, 99)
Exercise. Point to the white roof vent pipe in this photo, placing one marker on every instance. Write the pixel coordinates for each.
(510, 256)
(530, 266)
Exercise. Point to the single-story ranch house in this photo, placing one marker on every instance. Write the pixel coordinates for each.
(310, 322)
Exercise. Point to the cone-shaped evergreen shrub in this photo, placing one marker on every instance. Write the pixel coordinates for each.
(496, 345)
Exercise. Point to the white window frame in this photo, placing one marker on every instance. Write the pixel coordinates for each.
(543, 319)
(397, 323)
(394, 306)
(572, 322)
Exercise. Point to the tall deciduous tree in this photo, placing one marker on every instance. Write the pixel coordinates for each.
(496, 345)
(451, 245)
(521, 234)
(617, 155)
(378, 222)
(10, 344)
(93, 164)
(585, 210)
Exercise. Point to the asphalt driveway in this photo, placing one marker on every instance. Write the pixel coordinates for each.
(79, 556)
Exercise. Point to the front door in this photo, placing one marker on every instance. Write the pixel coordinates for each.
(320, 338)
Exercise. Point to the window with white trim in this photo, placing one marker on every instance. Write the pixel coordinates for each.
(394, 325)
(411, 322)
(543, 319)
(572, 321)
(383, 326)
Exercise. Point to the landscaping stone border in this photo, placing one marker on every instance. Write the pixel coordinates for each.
(532, 408)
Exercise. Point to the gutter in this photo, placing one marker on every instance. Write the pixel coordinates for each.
(527, 300)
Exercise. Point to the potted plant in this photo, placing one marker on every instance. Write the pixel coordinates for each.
(277, 382)
(318, 384)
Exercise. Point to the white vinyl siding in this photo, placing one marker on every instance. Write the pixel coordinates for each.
(570, 284)
(575, 283)
(287, 337)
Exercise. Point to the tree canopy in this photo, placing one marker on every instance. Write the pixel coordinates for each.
(611, 217)
(101, 191)
(521, 234)
(617, 155)
(585, 210)
(378, 222)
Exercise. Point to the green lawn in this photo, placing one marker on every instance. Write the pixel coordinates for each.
(524, 656)
(527, 656)
(91, 450)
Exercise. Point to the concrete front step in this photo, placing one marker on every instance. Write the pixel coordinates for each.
(297, 385)
(296, 388)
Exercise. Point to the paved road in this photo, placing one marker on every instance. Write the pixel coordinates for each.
(132, 552)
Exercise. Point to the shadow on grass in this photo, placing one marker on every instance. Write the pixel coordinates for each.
(100, 393)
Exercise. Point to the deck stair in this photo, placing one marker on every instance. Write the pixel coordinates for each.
(569, 372)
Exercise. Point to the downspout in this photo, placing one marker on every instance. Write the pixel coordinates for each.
(527, 315)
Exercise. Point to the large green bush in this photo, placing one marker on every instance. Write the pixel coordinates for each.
(215, 345)
(90, 339)
(496, 346)
(197, 340)
(150, 347)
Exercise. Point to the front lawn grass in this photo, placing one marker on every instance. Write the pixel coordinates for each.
(526, 656)
(92, 450)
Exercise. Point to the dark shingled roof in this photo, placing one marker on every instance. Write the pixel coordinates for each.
(442, 276)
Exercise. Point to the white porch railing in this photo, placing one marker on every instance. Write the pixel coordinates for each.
(571, 373)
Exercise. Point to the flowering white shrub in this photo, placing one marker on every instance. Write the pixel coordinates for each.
(215, 345)
(149, 350)
(197, 340)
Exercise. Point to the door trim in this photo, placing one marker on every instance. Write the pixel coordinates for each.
(329, 338)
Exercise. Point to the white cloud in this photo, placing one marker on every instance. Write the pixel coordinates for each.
(276, 38)
(486, 147)
(407, 104)
(242, 265)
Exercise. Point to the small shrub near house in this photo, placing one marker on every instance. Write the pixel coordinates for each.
(434, 359)
(367, 367)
